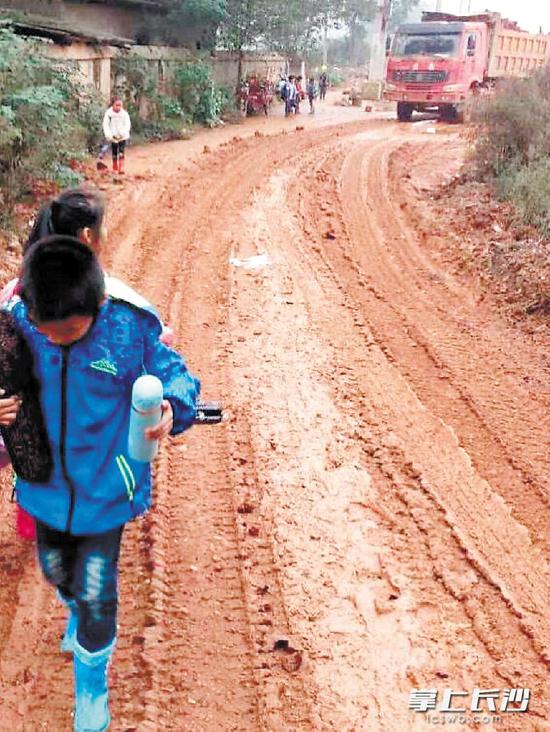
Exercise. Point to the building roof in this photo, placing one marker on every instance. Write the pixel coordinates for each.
(139, 3)
(37, 27)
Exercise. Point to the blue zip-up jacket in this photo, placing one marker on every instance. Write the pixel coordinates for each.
(85, 395)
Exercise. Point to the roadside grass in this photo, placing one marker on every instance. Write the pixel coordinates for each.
(512, 145)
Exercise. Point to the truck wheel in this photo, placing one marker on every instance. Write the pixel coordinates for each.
(404, 111)
(447, 112)
(464, 113)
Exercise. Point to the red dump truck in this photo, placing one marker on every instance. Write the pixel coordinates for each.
(438, 63)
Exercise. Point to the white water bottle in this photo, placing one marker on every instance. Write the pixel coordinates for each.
(146, 410)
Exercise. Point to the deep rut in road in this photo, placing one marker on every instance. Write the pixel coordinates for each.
(372, 517)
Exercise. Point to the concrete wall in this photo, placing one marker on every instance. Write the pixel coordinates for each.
(95, 65)
(225, 67)
(224, 64)
(93, 62)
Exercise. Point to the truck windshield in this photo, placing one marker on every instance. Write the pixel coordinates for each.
(432, 44)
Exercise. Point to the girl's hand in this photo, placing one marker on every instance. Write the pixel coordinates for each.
(8, 409)
(164, 427)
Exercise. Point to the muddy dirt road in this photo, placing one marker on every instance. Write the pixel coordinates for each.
(373, 516)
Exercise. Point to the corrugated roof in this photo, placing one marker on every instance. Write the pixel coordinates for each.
(40, 28)
(145, 3)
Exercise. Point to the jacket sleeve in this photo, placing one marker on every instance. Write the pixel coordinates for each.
(107, 127)
(180, 387)
(127, 125)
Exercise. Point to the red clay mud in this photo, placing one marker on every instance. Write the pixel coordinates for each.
(373, 515)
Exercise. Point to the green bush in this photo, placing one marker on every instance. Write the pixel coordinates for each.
(190, 95)
(513, 126)
(46, 119)
(201, 100)
(163, 130)
(335, 77)
(91, 108)
(171, 107)
(529, 189)
(512, 132)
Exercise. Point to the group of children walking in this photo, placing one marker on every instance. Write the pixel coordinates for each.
(291, 91)
(89, 337)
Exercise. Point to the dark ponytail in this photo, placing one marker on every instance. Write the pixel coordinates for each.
(42, 226)
(69, 213)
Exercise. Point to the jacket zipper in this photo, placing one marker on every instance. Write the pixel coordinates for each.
(64, 363)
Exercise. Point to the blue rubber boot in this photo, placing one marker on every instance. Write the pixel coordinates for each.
(67, 642)
(91, 691)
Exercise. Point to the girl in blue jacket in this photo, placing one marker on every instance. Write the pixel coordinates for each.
(88, 349)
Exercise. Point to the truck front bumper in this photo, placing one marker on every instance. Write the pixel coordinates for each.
(426, 98)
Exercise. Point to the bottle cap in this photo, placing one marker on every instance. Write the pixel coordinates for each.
(147, 393)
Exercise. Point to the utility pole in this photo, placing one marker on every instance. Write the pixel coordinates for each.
(377, 61)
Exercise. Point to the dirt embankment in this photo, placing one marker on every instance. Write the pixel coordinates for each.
(481, 240)
(373, 517)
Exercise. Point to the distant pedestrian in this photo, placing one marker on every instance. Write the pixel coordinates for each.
(116, 128)
(323, 85)
(299, 94)
(289, 91)
(281, 84)
(312, 92)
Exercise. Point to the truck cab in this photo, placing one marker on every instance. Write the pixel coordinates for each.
(436, 66)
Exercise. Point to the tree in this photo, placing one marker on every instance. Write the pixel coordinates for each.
(44, 115)
(400, 12)
(180, 14)
(356, 14)
(244, 24)
(294, 27)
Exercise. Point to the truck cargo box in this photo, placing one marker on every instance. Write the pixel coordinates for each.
(512, 51)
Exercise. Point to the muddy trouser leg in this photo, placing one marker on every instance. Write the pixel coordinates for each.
(56, 555)
(84, 570)
(95, 590)
(114, 152)
(102, 150)
(121, 151)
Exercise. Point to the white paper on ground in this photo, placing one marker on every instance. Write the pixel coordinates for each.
(255, 262)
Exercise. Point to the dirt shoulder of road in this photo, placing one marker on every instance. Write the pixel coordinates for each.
(479, 239)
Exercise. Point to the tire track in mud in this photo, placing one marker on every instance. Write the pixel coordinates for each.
(197, 229)
(323, 518)
(530, 425)
(385, 336)
(147, 680)
(171, 522)
(430, 359)
(481, 604)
